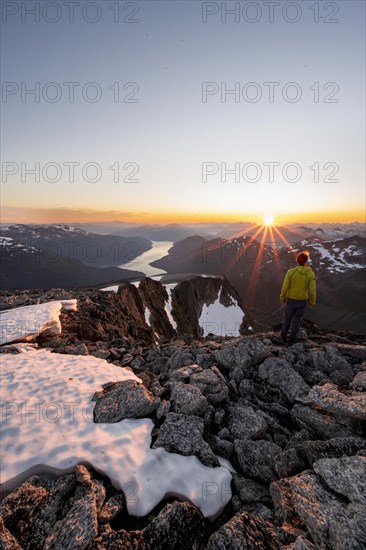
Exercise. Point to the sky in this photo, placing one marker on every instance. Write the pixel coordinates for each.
(183, 111)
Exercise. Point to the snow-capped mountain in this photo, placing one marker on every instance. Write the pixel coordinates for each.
(336, 257)
(329, 231)
(74, 243)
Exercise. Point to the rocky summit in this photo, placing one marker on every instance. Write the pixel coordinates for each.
(290, 420)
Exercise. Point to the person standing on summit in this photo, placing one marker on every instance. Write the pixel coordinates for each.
(298, 288)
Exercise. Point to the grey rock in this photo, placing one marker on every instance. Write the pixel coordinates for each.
(78, 528)
(163, 409)
(290, 462)
(224, 434)
(332, 363)
(258, 509)
(331, 399)
(101, 353)
(212, 386)
(7, 540)
(324, 426)
(280, 374)
(184, 373)
(244, 532)
(346, 476)
(60, 492)
(251, 491)
(236, 503)
(108, 539)
(180, 358)
(237, 374)
(245, 355)
(333, 448)
(233, 387)
(256, 459)
(301, 543)
(124, 399)
(126, 359)
(329, 520)
(246, 387)
(78, 349)
(187, 399)
(116, 352)
(359, 382)
(182, 434)
(355, 351)
(220, 447)
(209, 416)
(179, 526)
(19, 508)
(219, 416)
(245, 423)
(111, 508)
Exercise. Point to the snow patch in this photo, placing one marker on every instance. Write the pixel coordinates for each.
(47, 426)
(26, 323)
(113, 288)
(168, 304)
(147, 315)
(220, 320)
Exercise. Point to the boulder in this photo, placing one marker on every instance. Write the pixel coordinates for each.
(79, 526)
(359, 382)
(321, 424)
(182, 434)
(212, 385)
(305, 500)
(179, 526)
(245, 423)
(256, 459)
(346, 475)
(245, 355)
(244, 532)
(187, 399)
(280, 374)
(333, 448)
(332, 399)
(124, 399)
(251, 491)
(332, 363)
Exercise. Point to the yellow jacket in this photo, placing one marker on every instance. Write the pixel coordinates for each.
(299, 284)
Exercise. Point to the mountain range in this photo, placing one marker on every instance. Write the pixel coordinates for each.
(38, 256)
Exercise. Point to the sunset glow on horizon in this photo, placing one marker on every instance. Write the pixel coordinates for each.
(25, 215)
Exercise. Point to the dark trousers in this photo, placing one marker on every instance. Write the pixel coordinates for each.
(294, 312)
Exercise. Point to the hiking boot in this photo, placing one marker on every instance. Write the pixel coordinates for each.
(292, 340)
(284, 338)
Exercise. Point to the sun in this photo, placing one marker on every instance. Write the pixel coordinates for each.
(268, 219)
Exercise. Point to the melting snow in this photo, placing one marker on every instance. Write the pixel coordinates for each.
(168, 305)
(47, 426)
(147, 315)
(26, 323)
(113, 288)
(221, 320)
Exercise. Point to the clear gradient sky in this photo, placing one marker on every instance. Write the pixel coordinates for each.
(163, 138)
